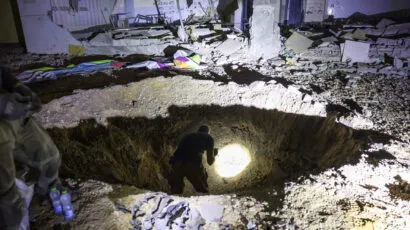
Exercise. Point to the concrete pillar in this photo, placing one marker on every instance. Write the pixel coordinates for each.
(265, 32)
(239, 15)
(129, 8)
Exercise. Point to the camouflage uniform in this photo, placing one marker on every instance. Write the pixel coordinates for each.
(24, 140)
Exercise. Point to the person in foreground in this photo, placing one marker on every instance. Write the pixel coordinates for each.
(22, 139)
(187, 161)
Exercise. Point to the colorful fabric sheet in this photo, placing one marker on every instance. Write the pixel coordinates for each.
(50, 73)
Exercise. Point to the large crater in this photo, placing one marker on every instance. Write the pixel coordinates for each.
(136, 151)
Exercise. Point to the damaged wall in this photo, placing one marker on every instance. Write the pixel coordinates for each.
(167, 7)
(86, 14)
(345, 8)
(41, 34)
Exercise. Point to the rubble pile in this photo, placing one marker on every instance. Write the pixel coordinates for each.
(340, 198)
(358, 72)
(369, 76)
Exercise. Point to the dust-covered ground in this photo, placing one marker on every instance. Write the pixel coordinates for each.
(329, 144)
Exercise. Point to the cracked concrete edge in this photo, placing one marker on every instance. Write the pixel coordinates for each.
(152, 97)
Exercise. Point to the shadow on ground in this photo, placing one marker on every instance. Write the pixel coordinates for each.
(283, 146)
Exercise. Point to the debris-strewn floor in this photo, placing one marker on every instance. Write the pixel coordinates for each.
(371, 194)
(352, 197)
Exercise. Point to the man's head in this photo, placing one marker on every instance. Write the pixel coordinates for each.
(203, 129)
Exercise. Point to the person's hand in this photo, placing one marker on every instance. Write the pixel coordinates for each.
(26, 96)
(215, 152)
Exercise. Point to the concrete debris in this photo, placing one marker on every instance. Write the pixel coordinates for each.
(338, 195)
(364, 68)
(336, 33)
(298, 42)
(357, 26)
(265, 32)
(330, 39)
(384, 23)
(229, 46)
(212, 212)
(397, 29)
(325, 52)
(157, 33)
(182, 34)
(356, 52)
(140, 33)
(358, 34)
(197, 33)
(102, 39)
(399, 48)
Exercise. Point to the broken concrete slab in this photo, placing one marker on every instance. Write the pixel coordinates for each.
(384, 23)
(229, 46)
(212, 212)
(365, 68)
(335, 32)
(358, 34)
(298, 42)
(375, 31)
(356, 52)
(329, 53)
(330, 39)
(150, 33)
(380, 27)
(200, 32)
(132, 46)
(44, 37)
(397, 29)
(265, 32)
(102, 39)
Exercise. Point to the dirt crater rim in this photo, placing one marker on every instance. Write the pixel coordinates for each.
(136, 151)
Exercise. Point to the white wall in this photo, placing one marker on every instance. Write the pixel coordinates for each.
(40, 33)
(169, 8)
(345, 8)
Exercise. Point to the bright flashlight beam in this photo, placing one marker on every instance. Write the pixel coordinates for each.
(231, 160)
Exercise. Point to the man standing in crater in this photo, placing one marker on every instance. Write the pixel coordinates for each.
(187, 161)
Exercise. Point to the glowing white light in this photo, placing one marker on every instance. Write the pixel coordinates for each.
(330, 11)
(231, 160)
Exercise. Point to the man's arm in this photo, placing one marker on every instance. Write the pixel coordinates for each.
(210, 157)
